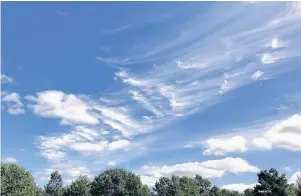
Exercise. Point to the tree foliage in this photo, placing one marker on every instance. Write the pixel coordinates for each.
(185, 186)
(298, 184)
(271, 184)
(117, 182)
(16, 181)
(79, 187)
(55, 185)
(203, 184)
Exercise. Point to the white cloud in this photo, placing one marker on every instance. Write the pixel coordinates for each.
(62, 13)
(111, 163)
(222, 146)
(227, 85)
(185, 65)
(149, 180)
(207, 169)
(81, 139)
(5, 79)
(67, 107)
(274, 43)
(268, 58)
(112, 60)
(155, 83)
(89, 147)
(262, 143)
(14, 103)
(238, 187)
(294, 177)
(119, 144)
(121, 120)
(287, 133)
(52, 154)
(256, 75)
(69, 170)
(10, 160)
(287, 169)
(117, 29)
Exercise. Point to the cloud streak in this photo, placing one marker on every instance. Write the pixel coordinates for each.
(207, 169)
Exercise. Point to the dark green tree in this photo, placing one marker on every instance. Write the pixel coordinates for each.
(55, 185)
(40, 192)
(166, 186)
(226, 192)
(298, 185)
(248, 192)
(214, 191)
(117, 182)
(203, 184)
(271, 184)
(79, 187)
(16, 181)
(188, 187)
(176, 186)
(291, 190)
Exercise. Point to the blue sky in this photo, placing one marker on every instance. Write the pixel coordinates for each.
(159, 88)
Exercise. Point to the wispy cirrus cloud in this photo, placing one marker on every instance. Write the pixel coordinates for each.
(211, 65)
(181, 73)
(117, 29)
(62, 13)
(81, 139)
(222, 61)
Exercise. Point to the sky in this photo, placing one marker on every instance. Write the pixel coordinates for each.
(158, 88)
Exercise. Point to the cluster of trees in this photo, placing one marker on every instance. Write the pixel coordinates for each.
(16, 181)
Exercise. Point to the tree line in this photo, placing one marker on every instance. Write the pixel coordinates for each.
(16, 181)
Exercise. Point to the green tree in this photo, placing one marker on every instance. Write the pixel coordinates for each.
(248, 192)
(117, 182)
(176, 186)
(203, 184)
(225, 192)
(188, 187)
(16, 181)
(214, 191)
(291, 190)
(271, 184)
(167, 187)
(80, 187)
(55, 185)
(40, 192)
(298, 184)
